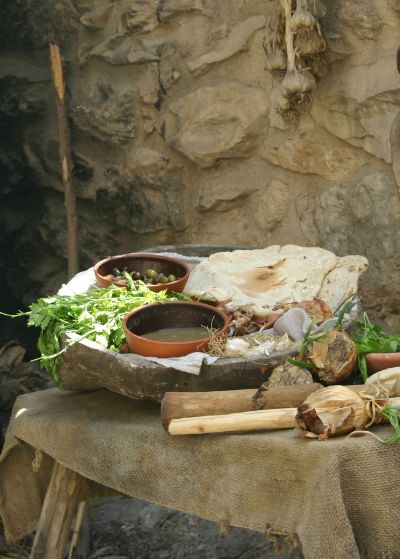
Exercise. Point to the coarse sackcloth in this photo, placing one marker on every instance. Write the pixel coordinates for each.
(341, 497)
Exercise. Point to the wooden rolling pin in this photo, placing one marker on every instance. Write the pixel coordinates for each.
(245, 421)
(176, 405)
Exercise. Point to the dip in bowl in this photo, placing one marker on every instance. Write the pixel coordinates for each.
(174, 328)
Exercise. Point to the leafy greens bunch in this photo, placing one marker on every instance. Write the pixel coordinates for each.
(370, 338)
(95, 315)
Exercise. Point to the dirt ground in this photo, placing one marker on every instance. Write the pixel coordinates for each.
(122, 528)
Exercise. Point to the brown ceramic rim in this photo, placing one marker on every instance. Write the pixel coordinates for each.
(144, 255)
(372, 358)
(220, 331)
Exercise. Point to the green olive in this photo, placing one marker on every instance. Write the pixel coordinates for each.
(151, 273)
(162, 278)
(171, 277)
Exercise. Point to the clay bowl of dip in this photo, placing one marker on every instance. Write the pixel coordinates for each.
(173, 329)
(379, 361)
(140, 262)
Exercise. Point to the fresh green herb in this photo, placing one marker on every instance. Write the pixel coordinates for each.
(343, 310)
(95, 315)
(310, 338)
(303, 364)
(391, 413)
(370, 338)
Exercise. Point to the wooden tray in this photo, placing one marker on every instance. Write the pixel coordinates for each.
(87, 365)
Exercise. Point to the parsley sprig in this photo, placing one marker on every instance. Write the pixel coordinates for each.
(370, 338)
(95, 315)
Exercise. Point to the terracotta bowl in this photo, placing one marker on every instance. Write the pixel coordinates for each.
(171, 315)
(379, 361)
(140, 262)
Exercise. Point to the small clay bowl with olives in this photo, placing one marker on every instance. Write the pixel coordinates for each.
(158, 272)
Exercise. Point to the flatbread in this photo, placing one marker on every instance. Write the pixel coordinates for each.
(342, 282)
(261, 278)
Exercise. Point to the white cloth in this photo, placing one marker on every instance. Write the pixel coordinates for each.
(190, 363)
(82, 282)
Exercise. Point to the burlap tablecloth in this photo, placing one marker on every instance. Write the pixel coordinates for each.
(340, 497)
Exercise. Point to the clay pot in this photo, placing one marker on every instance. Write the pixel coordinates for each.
(171, 314)
(140, 262)
(380, 361)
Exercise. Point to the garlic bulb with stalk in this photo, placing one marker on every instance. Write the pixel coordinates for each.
(302, 19)
(296, 81)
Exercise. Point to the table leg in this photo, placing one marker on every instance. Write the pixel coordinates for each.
(59, 507)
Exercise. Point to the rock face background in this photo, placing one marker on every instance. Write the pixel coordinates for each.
(176, 139)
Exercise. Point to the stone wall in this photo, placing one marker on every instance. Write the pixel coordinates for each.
(177, 138)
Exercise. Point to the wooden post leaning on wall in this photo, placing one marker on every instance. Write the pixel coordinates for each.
(64, 135)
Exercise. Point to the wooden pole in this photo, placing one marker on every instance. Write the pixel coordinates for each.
(246, 421)
(80, 543)
(64, 135)
(176, 405)
(60, 503)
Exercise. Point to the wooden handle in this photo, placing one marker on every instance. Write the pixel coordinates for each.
(194, 404)
(246, 421)
(176, 405)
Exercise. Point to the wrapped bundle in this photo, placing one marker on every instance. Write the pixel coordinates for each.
(337, 410)
(389, 379)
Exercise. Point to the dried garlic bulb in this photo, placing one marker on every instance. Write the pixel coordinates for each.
(296, 82)
(334, 410)
(236, 347)
(276, 60)
(334, 357)
(286, 375)
(318, 8)
(283, 103)
(302, 19)
(309, 43)
(317, 65)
